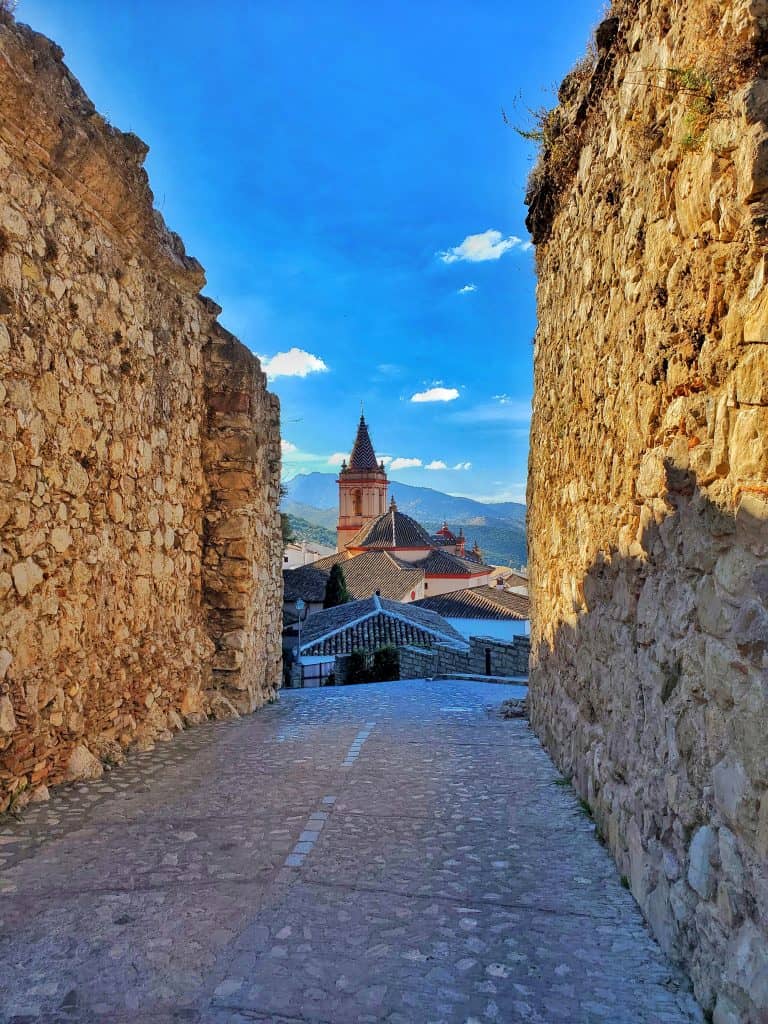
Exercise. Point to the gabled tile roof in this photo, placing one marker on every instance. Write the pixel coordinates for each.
(365, 574)
(478, 603)
(392, 529)
(443, 563)
(372, 623)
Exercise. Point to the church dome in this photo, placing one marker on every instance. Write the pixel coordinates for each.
(393, 529)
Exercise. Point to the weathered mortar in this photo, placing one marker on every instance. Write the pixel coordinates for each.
(140, 582)
(648, 478)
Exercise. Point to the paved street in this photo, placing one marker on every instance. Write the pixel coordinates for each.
(393, 852)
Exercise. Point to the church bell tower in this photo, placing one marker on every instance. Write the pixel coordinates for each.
(362, 488)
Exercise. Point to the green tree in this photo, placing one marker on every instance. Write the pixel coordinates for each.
(386, 664)
(357, 668)
(336, 589)
(285, 522)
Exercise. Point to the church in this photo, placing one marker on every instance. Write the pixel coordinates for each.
(428, 564)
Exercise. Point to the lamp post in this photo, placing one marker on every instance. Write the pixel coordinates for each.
(300, 606)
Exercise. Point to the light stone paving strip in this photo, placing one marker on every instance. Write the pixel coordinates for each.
(357, 743)
(310, 835)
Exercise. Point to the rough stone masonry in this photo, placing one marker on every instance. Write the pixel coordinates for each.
(140, 583)
(648, 482)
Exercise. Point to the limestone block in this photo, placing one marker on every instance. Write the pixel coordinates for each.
(81, 764)
(730, 858)
(7, 463)
(8, 722)
(77, 479)
(60, 539)
(734, 570)
(752, 520)
(732, 788)
(47, 399)
(756, 326)
(26, 576)
(726, 1012)
(13, 222)
(713, 615)
(752, 164)
(748, 450)
(701, 874)
(752, 375)
(652, 478)
(748, 964)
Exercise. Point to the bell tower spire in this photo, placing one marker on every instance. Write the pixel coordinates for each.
(362, 487)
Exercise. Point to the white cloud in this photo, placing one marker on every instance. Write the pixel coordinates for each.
(286, 447)
(386, 459)
(405, 464)
(526, 246)
(436, 395)
(337, 458)
(467, 289)
(293, 363)
(463, 465)
(389, 369)
(490, 245)
(436, 464)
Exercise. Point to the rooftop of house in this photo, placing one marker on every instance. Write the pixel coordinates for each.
(364, 573)
(445, 563)
(372, 623)
(478, 603)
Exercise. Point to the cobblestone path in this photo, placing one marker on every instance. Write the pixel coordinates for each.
(392, 853)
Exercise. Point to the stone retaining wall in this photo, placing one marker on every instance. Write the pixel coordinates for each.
(648, 483)
(140, 582)
(508, 658)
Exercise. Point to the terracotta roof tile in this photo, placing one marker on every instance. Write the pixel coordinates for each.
(443, 563)
(478, 603)
(392, 529)
(365, 574)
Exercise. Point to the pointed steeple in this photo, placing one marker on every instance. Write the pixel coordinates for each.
(363, 457)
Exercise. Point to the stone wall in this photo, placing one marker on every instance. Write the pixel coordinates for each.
(508, 658)
(648, 482)
(140, 583)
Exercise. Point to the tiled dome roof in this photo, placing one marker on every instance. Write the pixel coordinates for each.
(393, 529)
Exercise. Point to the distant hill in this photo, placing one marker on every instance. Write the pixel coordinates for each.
(303, 529)
(499, 528)
(319, 490)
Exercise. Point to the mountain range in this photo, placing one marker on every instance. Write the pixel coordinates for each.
(498, 527)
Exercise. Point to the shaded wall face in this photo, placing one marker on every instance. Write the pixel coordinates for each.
(118, 455)
(648, 482)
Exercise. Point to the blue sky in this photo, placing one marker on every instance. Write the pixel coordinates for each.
(343, 172)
